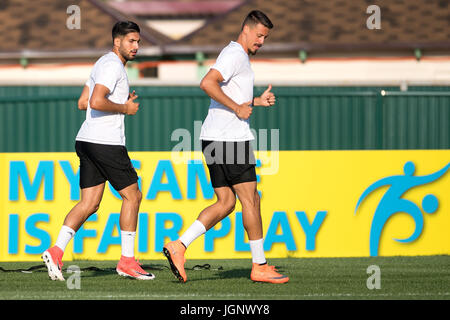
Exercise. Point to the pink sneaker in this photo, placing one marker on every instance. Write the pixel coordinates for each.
(266, 273)
(174, 252)
(129, 267)
(53, 260)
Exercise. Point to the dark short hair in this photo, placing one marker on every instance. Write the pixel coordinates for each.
(255, 17)
(122, 28)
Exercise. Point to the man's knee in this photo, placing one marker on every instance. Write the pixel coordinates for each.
(138, 196)
(134, 196)
(250, 201)
(90, 206)
(228, 203)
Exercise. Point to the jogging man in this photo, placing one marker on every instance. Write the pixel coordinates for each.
(226, 146)
(100, 145)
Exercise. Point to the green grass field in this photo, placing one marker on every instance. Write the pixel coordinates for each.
(313, 278)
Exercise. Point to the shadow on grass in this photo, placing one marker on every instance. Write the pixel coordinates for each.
(197, 275)
(91, 272)
(235, 274)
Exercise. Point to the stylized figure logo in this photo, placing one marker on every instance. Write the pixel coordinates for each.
(392, 203)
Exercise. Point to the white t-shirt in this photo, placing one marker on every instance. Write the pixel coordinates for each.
(221, 123)
(106, 127)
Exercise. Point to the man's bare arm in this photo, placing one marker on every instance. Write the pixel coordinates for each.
(84, 98)
(211, 85)
(100, 102)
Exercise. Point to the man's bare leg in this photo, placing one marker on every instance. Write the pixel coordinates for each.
(128, 266)
(208, 218)
(89, 204)
(132, 197)
(251, 215)
(226, 201)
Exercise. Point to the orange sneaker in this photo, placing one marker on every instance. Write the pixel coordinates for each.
(266, 273)
(174, 252)
(53, 260)
(129, 267)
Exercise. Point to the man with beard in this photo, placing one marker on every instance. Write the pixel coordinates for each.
(226, 146)
(100, 145)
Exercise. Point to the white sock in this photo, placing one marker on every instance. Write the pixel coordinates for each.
(127, 240)
(65, 234)
(193, 232)
(257, 250)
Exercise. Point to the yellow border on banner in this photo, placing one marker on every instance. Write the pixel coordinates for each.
(292, 183)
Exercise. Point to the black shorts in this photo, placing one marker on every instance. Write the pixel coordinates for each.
(229, 163)
(100, 162)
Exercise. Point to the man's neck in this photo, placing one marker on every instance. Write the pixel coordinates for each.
(124, 61)
(241, 41)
